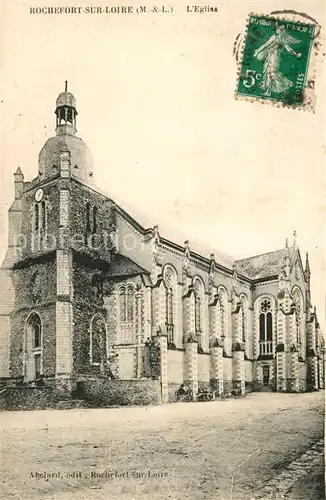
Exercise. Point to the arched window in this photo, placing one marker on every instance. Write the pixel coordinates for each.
(123, 304)
(127, 314)
(266, 327)
(269, 326)
(127, 303)
(169, 277)
(243, 323)
(94, 219)
(35, 326)
(97, 340)
(43, 215)
(33, 362)
(88, 217)
(221, 311)
(198, 291)
(37, 333)
(244, 317)
(262, 327)
(36, 216)
(298, 302)
(130, 302)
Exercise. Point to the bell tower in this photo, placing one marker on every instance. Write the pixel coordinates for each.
(66, 113)
(65, 139)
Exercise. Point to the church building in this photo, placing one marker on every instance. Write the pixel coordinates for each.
(93, 299)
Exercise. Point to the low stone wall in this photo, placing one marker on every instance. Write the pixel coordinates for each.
(104, 393)
(29, 398)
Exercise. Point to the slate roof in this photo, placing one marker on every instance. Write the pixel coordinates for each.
(122, 266)
(171, 234)
(256, 267)
(264, 265)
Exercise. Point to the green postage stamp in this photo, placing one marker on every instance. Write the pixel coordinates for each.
(275, 60)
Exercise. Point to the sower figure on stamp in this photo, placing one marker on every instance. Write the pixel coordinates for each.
(270, 53)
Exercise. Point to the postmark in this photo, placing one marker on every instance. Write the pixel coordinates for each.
(275, 62)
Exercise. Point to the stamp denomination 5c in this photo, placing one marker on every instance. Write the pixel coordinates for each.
(275, 60)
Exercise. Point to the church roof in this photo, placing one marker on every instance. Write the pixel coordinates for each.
(256, 267)
(264, 265)
(169, 234)
(81, 158)
(122, 266)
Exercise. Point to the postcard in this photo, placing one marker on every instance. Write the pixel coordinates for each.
(162, 317)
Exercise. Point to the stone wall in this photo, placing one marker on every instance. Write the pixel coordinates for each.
(227, 370)
(35, 283)
(86, 304)
(29, 398)
(303, 371)
(94, 244)
(102, 392)
(48, 318)
(203, 368)
(32, 244)
(175, 366)
(248, 371)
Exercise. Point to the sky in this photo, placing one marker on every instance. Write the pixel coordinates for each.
(155, 97)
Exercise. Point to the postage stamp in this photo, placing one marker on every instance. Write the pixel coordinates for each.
(275, 61)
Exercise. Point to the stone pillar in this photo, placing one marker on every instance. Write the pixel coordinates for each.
(64, 321)
(312, 371)
(65, 164)
(281, 371)
(216, 361)
(192, 367)
(64, 315)
(159, 304)
(238, 371)
(294, 382)
(189, 315)
(321, 373)
(178, 321)
(214, 327)
(139, 333)
(280, 335)
(236, 327)
(292, 330)
(205, 324)
(164, 367)
(255, 338)
(148, 313)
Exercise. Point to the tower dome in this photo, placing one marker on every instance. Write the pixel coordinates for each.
(66, 99)
(66, 139)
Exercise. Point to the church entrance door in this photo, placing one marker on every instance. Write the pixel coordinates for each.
(265, 375)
